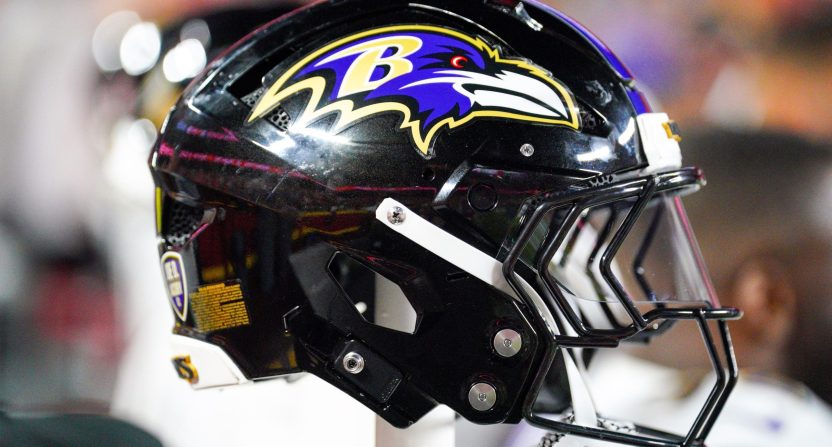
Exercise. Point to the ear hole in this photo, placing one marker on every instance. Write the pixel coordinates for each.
(428, 175)
(378, 300)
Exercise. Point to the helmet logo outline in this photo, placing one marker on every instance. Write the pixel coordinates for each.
(434, 77)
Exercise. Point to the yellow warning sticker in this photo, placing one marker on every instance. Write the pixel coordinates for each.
(218, 306)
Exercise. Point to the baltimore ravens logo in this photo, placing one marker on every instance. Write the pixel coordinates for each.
(434, 77)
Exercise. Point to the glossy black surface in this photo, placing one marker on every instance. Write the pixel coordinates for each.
(284, 200)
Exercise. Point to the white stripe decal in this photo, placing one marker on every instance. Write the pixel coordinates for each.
(446, 246)
(662, 151)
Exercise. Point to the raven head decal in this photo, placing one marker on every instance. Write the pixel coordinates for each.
(434, 77)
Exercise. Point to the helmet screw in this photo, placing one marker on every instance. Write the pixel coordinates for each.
(527, 150)
(353, 363)
(507, 342)
(482, 396)
(396, 215)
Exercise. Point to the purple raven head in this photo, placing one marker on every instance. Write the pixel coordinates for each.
(434, 77)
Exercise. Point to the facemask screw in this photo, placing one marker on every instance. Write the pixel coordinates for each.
(482, 396)
(353, 363)
(527, 150)
(396, 215)
(507, 342)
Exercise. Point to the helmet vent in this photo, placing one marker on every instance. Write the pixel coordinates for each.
(182, 222)
(379, 300)
(279, 117)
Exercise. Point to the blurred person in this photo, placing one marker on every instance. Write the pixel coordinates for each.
(775, 84)
(765, 229)
(774, 91)
(774, 196)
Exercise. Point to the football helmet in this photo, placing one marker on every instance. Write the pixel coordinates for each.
(429, 203)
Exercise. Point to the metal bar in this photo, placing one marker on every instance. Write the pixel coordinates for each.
(733, 376)
(719, 385)
(612, 249)
(638, 261)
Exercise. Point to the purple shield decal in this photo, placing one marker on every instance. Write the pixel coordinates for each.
(174, 273)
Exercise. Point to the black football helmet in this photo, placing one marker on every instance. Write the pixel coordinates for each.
(429, 203)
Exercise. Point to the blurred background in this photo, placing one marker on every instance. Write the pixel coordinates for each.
(84, 85)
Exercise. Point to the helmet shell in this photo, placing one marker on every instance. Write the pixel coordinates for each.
(296, 193)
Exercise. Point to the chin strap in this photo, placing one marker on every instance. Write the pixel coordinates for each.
(583, 406)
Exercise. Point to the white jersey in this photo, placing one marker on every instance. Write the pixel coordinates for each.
(760, 412)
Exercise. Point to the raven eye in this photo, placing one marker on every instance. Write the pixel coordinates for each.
(459, 61)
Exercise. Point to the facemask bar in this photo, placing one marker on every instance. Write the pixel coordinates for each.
(590, 225)
(583, 225)
(725, 367)
(644, 284)
(661, 317)
(572, 204)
